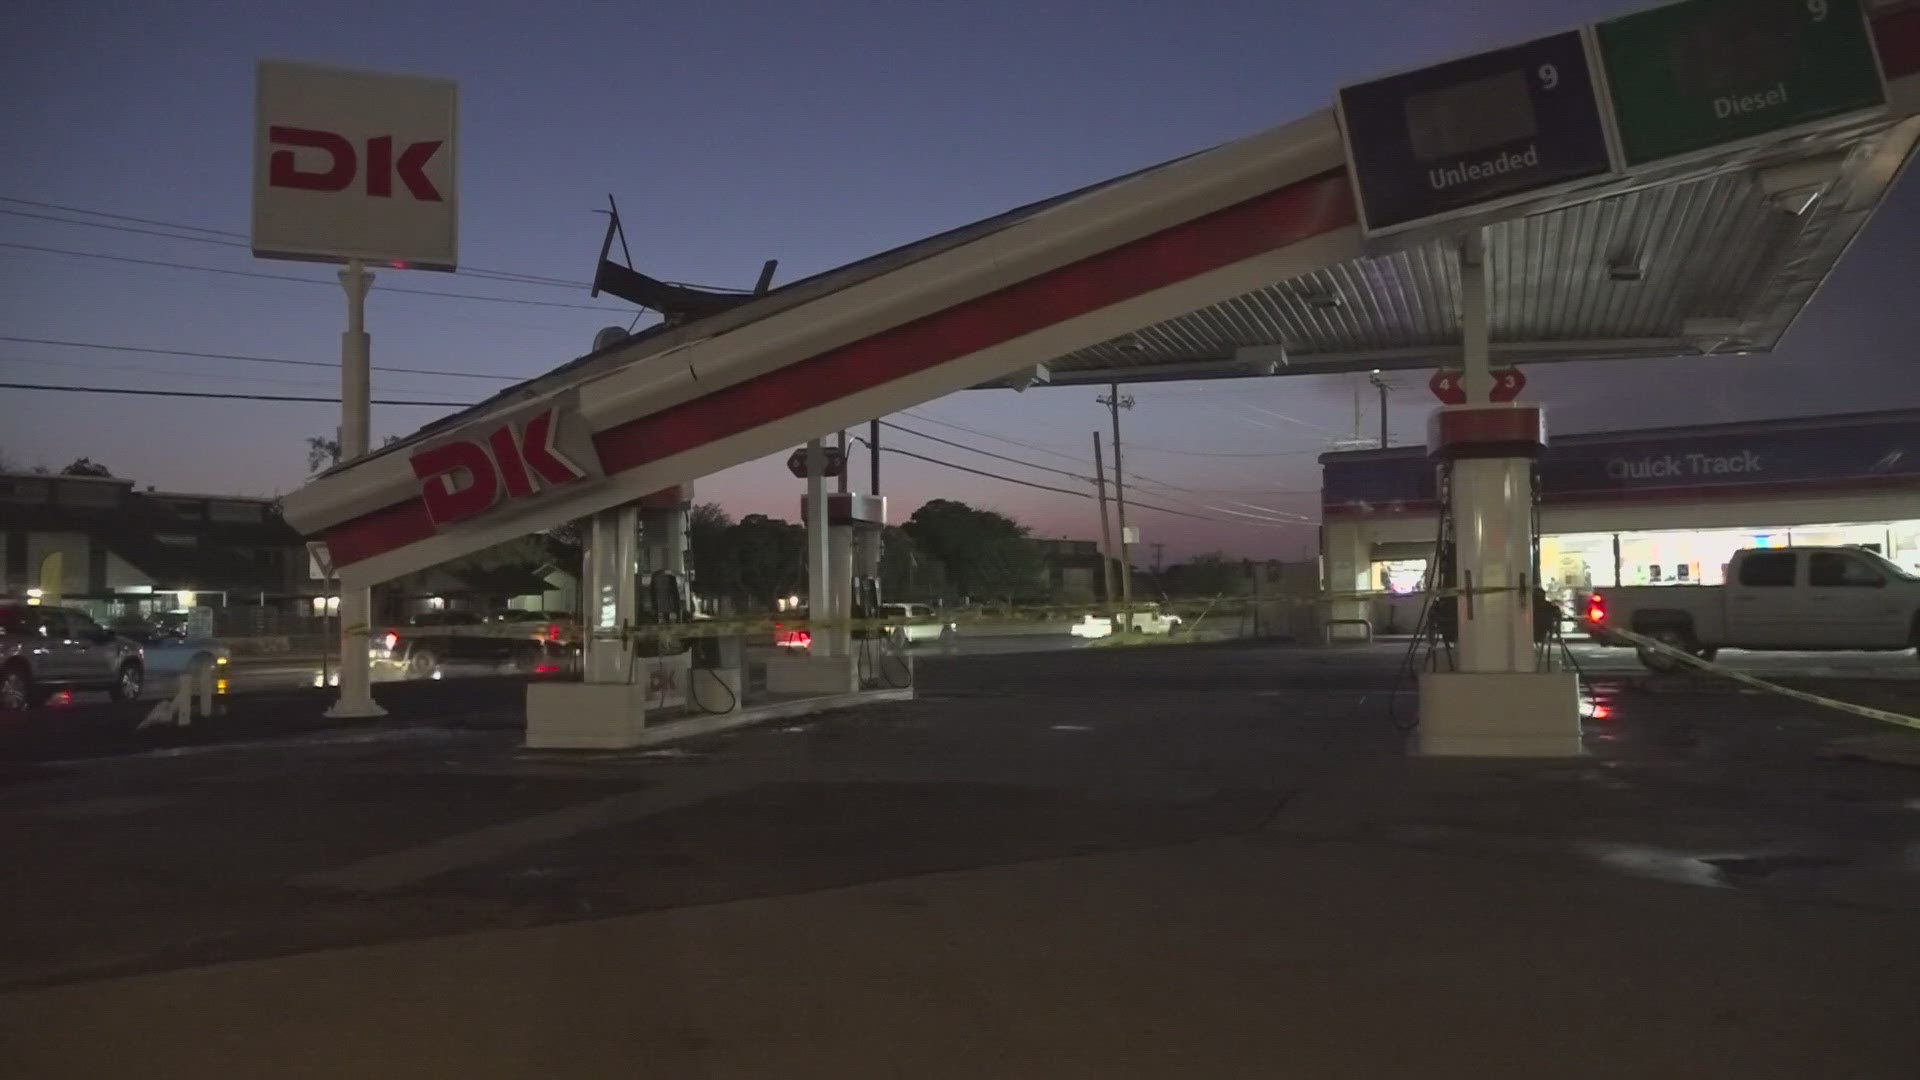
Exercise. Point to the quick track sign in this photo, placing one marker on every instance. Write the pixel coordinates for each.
(354, 165)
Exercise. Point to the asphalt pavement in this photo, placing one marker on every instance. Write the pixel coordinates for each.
(1100, 862)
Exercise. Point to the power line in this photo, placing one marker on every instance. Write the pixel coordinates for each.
(998, 438)
(977, 472)
(250, 359)
(1165, 489)
(982, 453)
(302, 280)
(120, 217)
(290, 398)
(1082, 494)
(242, 240)
(475, 271)
(222, 397)
(125, 228)
(173, 373)
(1218, 454)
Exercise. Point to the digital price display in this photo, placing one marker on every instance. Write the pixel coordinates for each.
(1511, 122)
(1703, 73)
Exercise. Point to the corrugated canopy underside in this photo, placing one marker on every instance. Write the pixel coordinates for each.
(1710, 264)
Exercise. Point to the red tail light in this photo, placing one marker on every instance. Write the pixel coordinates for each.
(1596, 608)
(393, 641)
(546, 669)
(553, 631)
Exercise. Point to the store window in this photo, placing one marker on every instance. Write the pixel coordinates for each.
(1903, 545)
(1399, 576)
(1694, 557)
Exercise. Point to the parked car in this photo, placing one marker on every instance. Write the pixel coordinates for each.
(533, 625)
(916, 623)
(448, 656)
(47, 649)
(1810, 598)
(168, 653)
(790, 630)
(561, 626)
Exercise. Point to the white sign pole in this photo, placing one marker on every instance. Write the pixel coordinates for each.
(351, 166)
(356, 603)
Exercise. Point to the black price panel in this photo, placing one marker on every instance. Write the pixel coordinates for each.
(1489, 127)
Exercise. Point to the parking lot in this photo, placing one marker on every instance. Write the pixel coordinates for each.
(307, 837)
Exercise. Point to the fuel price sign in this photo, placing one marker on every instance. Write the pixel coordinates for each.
(1496, 126)
(1704, 73)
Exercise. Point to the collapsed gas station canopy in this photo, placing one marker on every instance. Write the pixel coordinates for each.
(1713, 265)
(1253, 258)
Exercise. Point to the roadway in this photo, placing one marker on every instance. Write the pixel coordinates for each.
(275, 698)
(292, 673)
(269, 673)
(1149, 859)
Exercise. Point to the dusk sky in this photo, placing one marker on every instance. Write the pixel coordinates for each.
(815, 133)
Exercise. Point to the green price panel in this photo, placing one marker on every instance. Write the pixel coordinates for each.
(1704, 73)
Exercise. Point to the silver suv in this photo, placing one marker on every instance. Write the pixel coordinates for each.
(44, 649)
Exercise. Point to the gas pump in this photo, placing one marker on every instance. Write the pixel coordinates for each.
(660, 651)
(866, 607)
(883, 660)
(852, 594)
(1500, 696)
(666, 599)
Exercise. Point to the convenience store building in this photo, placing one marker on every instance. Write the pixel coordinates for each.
(1665, 506)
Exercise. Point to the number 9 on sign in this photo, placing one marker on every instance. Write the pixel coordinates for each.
(1550, 75)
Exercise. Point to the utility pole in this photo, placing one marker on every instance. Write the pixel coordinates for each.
(1381, 385)
(873, 452)
(1159, 553)
(1114, 403)
(1106, 535)
(846, 470)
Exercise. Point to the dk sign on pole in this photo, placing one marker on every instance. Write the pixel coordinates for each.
(355, 165)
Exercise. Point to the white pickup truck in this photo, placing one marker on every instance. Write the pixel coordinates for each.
(1802, 598)
(1147, 619)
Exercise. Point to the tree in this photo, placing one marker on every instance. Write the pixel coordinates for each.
(769, 557)
(714, 573)
(907, 572)
(85, 467)
(324, 453)
(985, 554)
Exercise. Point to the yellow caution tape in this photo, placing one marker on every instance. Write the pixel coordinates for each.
(1686, 657)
